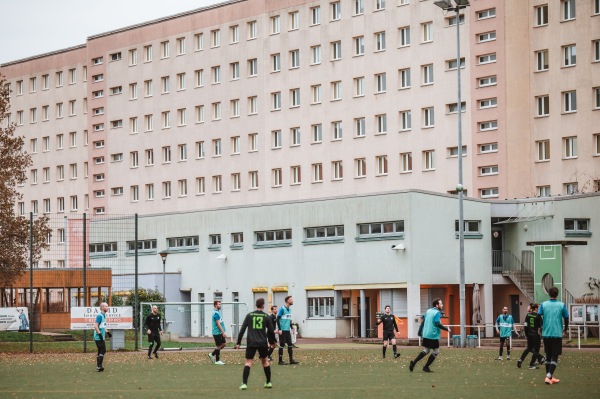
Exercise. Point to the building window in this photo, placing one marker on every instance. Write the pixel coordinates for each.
(486, 59)
(428, 160)
(489, 192)
(453, 107)
(427, 74)
(235, 145)
(428, 117)
(406, 162)
(596, 7)
(404, 78)
(315, 16)
(541, 15)
(317, 173)
(337, 170)
(359, 127)
(404, 36)
(294, 18)
(544, 191)
(488, 81)
(488, 170)
(324, 233)
(541, 60)
(570, 147)
(199, 113)
(571, 188)
(217, 184)
(277, 177)
(360, 167)
(252, 30)
(273, 236)
(237, 239)
(147, 53)
(358, 7)
(315, 55)
(336, 51)
(451, 64)
(381, 124)
(317, 133)
(336, 90)
(294, 98)
(216, 111)
(216, 147)
(142, 246)
(568, 9)
(379, 41)
(577, 226)
(359, 45)
(275, 25)
(321, 307)
(199, 78)
(234, 34)
(103, 248)
(543, 105)
(295, 174)
(148, 88)
(276, 139)
(253, 180)
(164, 50)
(381, 229)
(543, 150)
(215, 38)
(405, 120)
(315, 94)
(253, 142)
(276, 101)
(294, 136)
(380, 83)
(426, 32)
(275, 62)
(382, 165)
(336, 11)
(569, 55)
(488, 125)
(183, 242)
(596, 50)
(486, 37)
(166, 151)
(216, 74)
(569, 101)
(200, 150)
(294, 59)
(336, 128)
(200, 187)
(470, 228)
(453, 151)
(596, 149)
(215, 241)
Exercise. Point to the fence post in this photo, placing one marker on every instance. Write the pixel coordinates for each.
(135, 295)
(84, 279)
(31, 282)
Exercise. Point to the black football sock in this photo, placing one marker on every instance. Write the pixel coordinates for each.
(267, 373)
(430, 360)
(290, 353)
(420, 356)
(281, 354)
(246, 374)
(394, 347)
(384, 349)
(218, 354)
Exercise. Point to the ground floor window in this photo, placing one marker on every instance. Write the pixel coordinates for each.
(320, 307)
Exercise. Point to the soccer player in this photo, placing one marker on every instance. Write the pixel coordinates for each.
(430, 331)
(389, 325)
(218, 331)
(100, 334)
(504, 326)
(273, 317)
(284, 320)
(153, 321)
(533, 323)
(553, 313)
(260, 331)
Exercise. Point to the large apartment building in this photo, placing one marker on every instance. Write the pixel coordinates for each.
(256, 102)
(334, 120)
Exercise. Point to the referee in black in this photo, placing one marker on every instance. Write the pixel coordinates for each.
(273, 317)
(389, 325)
(260, 331)
(153, 322)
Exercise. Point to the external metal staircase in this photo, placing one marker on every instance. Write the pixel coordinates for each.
(505, 262)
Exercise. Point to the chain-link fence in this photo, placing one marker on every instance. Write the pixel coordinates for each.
(88, 259)
(190, 322)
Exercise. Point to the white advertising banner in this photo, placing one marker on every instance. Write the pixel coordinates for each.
(14, 319)
(117, 317)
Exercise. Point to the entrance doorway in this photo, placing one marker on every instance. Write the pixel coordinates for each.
(515, 309)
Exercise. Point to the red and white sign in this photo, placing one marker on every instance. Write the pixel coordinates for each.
(117, 317)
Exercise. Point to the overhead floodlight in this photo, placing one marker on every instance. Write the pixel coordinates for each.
(443, 4)
(462, 3)
(222, 256)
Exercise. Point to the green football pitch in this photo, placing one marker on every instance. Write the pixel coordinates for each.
(347, 372)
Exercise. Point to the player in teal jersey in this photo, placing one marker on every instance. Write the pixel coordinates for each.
(430, 331)
(284, 320)
(553, 313)
(100, 334)
(260, 332)
(219, 335)
(504, 326)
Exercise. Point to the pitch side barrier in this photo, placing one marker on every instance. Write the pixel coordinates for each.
(582, 332)
(193, 319)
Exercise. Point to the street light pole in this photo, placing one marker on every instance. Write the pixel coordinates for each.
(447, 6)
(163, 255)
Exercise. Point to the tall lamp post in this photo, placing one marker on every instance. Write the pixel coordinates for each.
(447, 5)
(163, 255)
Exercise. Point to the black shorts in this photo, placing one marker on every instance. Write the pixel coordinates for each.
(285, 338)
(154, 336)
(263, 351)
(534, 341)
(431, 343)
(505, 339)
(219, 340)
(388, 335)
(552, 347)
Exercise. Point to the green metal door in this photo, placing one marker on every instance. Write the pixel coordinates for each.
(547, 271)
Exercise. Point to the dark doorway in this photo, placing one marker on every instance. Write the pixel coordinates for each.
(367, 317)
(515, 308)
(497, 247)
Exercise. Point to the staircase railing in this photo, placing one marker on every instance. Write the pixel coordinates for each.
(506, 262)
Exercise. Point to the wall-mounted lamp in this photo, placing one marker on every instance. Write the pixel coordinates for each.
(399, 247)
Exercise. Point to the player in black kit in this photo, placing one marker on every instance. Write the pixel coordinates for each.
(273, 317)
(533, 324)
(153, 322)
(260, 331)
(389, 325)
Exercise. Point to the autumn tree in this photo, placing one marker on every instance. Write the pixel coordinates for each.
(14, 229)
